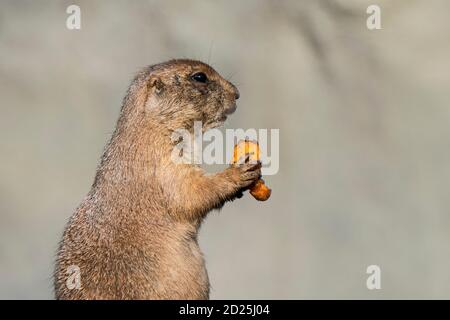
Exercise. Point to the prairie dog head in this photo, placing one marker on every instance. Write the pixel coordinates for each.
(180, 92)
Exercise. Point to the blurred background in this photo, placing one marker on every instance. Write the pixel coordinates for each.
(364, 136)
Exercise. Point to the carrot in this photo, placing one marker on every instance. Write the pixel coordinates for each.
(258, 190)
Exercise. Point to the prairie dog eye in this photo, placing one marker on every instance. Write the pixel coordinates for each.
(200, 77)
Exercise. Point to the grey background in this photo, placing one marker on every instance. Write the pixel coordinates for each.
(364, 136)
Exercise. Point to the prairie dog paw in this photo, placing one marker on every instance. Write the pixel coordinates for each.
(245, 174)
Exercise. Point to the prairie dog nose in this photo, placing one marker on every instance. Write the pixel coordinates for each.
(236, 93)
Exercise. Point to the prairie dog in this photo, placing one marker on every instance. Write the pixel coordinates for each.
(134, 236)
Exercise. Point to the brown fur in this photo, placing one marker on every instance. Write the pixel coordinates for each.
(135, 234)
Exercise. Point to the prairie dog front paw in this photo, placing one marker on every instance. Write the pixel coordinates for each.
(245, 174)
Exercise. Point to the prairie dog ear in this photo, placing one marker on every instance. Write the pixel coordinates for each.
(155, 84)
(154, 88)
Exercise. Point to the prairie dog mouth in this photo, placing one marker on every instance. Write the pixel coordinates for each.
(230, 110)
(222, 117)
